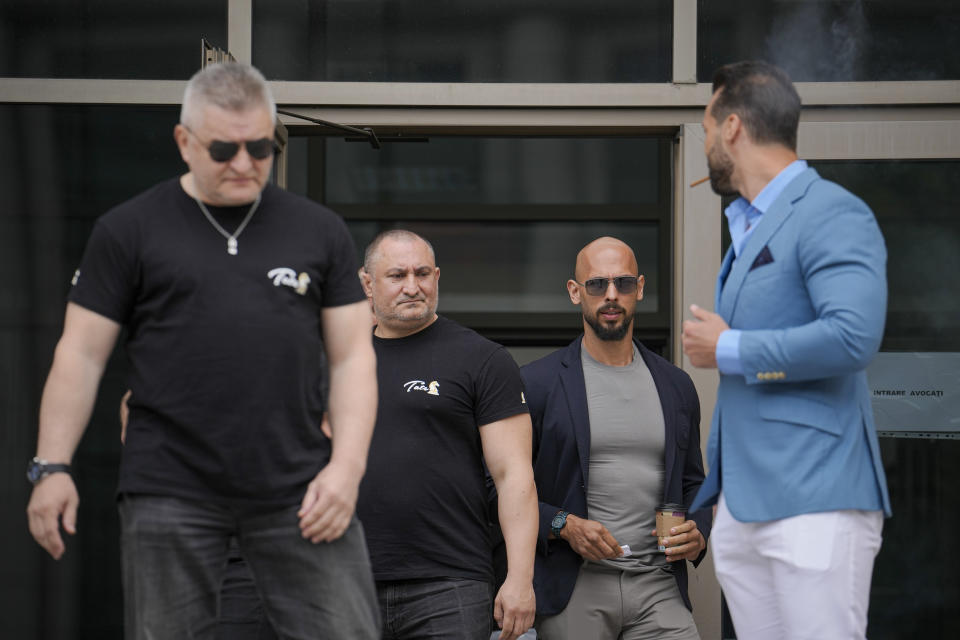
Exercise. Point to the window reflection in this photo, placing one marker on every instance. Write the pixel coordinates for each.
(464, 41)
(833, 40)
(493, 170)
(71, 164)
(507, 215)
(915, 205)
(118, 39)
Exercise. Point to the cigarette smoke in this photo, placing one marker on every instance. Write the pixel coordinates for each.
(820, 41)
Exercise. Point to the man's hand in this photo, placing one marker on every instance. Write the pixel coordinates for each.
(685, 542)
(700, 337)
(53, 497)
(590, 539)
(327, 507)
(514, 608)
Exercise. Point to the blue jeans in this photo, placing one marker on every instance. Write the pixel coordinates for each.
(173, 556)
(447, 609)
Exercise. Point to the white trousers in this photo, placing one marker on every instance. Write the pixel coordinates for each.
(804, 577)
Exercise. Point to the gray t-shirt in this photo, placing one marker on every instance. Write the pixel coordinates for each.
(626, 456)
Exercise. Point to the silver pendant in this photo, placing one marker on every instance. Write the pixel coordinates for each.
(232, 246)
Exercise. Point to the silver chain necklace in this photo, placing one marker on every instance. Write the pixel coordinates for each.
(231, 237)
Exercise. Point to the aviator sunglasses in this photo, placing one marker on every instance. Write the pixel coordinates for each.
(598, 286)
(222, 151)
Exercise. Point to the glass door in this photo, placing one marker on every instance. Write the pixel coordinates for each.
(507, 216)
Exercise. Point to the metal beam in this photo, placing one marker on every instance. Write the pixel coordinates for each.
(240, 29)
(685, 41)
(472, 95)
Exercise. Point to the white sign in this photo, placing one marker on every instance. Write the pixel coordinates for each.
(915, 391)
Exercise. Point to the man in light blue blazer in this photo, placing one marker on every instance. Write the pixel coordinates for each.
(794, 463)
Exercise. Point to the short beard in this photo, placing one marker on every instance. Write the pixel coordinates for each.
(721, 170)
(610, 334)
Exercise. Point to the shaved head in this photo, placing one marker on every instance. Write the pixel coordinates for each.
(601, 250)
(372, 254)
(607, 315)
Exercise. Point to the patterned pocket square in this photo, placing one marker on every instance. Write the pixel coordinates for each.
(764, 257)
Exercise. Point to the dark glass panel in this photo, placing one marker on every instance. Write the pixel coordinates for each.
(464, 40)
(507, 215)
(916, 577)
(536, 171)
(833, 40)
(118, 39)
(71, 165)
(915, 204)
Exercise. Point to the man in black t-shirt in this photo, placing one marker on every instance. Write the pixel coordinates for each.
(229, 288)
(450, 400)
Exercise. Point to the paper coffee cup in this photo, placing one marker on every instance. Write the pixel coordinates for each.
(668, 515)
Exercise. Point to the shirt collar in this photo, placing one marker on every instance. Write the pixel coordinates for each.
(776, 186)
(743, 216)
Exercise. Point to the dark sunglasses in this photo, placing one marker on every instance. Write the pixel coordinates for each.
(221, 151)
(598, 286)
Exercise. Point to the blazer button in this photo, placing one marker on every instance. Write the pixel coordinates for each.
(759, 376)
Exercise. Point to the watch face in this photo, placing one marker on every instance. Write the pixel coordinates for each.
(557, 521)
(34, 471)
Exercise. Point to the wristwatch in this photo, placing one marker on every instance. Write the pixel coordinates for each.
(38, 469)
(559, 522)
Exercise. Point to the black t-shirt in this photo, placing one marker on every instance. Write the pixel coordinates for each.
(224, 350)
(423, 500)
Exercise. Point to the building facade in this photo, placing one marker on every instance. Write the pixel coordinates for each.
(510, 134)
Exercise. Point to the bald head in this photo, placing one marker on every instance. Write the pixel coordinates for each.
(605, 251)
(607, 287)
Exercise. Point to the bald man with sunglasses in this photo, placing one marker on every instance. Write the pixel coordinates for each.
(616, 433)
(228, 288)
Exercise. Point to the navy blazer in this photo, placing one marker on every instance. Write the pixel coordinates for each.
(557, 397)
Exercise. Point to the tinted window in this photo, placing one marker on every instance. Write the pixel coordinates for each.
(833, 40)
(464, 40)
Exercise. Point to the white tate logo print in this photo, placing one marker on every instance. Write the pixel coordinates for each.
(421, 385)
(289, 278)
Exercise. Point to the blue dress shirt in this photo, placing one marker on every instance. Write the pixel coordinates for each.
(742, 218)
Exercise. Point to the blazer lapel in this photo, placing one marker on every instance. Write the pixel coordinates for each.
(722, 276)
(575, 392)
(779, 211)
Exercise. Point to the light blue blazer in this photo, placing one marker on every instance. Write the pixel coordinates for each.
(795, 434)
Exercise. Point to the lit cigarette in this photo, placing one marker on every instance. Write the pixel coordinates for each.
(700, 181)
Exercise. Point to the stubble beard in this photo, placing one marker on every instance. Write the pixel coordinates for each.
(721, 171)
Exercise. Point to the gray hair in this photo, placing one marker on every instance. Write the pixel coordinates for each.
(233, 86)
(393, 234)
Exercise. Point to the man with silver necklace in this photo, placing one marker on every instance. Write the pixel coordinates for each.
(229, 288)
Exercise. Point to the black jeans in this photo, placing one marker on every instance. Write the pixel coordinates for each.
(447, 609)
(241, 614)
(174, 552)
